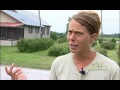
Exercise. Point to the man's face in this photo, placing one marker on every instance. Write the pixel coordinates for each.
(78, 37)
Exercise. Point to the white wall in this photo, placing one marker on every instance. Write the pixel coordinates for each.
(34, 34)
(7, 43)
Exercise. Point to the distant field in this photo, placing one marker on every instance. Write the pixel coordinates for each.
(109, 38)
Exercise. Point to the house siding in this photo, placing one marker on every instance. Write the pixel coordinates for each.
(34, 34)
(6, 18)
(47, 30)
(31, 35)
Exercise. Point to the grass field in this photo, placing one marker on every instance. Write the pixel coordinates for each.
(110, 38)
(34, 60)
(38, 60)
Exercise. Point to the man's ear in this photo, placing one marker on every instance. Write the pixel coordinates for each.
(93, 37)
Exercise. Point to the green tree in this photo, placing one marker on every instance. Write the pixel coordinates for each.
(100, 41)
(53, 35)
(113, 40)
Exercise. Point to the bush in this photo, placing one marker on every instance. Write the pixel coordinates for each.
(109, 45)
(62, 40)
(94, 43)
(102, 51)
(31, 45)
(53, 35)
(58, 50)
(100, 41)
(22, 45)
(113, 40)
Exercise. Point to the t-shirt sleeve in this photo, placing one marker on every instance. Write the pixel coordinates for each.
(53, 75)
(115, 72)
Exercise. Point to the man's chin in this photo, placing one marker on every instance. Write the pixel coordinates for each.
(73, 51)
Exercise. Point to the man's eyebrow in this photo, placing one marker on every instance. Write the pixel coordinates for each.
(78, 32)
(75, 31)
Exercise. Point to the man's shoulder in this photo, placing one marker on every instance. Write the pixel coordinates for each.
(106, 61)
(63, 58)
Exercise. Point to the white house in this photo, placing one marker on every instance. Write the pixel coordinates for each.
(16, 24)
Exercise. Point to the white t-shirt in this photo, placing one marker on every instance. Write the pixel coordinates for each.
(101, 68)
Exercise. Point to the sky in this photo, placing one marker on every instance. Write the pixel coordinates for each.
(59, 18)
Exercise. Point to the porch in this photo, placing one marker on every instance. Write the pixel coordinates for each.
(8, 42)
(10, 33)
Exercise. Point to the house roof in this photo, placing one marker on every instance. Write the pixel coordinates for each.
(9, 24)
(26, 17)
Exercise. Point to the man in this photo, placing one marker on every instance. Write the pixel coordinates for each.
(82, 63)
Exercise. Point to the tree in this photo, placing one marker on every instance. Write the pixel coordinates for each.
(53, 35)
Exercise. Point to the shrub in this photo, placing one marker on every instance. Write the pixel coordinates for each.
(53, 35)
(62, 40)
(109, 45)
(102, 51)
(94, 43)
(113, 40)
(22, 45)
(100, 41)
(31, 45)
(58, 50)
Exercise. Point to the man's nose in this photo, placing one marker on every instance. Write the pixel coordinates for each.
(72, 36)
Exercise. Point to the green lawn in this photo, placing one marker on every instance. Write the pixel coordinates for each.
(111, 53)
(39, 59)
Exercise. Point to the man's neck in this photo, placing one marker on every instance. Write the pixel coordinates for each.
(83, 59)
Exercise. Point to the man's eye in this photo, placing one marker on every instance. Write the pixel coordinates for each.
(70, 32)
(78, 33)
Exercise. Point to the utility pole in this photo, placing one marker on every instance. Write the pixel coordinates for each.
(119, 40)
(40, 23)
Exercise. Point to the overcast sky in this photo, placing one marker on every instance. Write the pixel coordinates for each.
(59, 18)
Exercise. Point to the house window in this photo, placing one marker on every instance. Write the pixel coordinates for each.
(48, 30)
(37, 30)
(43, 30)
(30, 30)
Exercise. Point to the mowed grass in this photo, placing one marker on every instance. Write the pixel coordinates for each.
(38, 60)
(112, 54)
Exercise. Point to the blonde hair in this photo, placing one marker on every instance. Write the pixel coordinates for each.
(90, 19)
